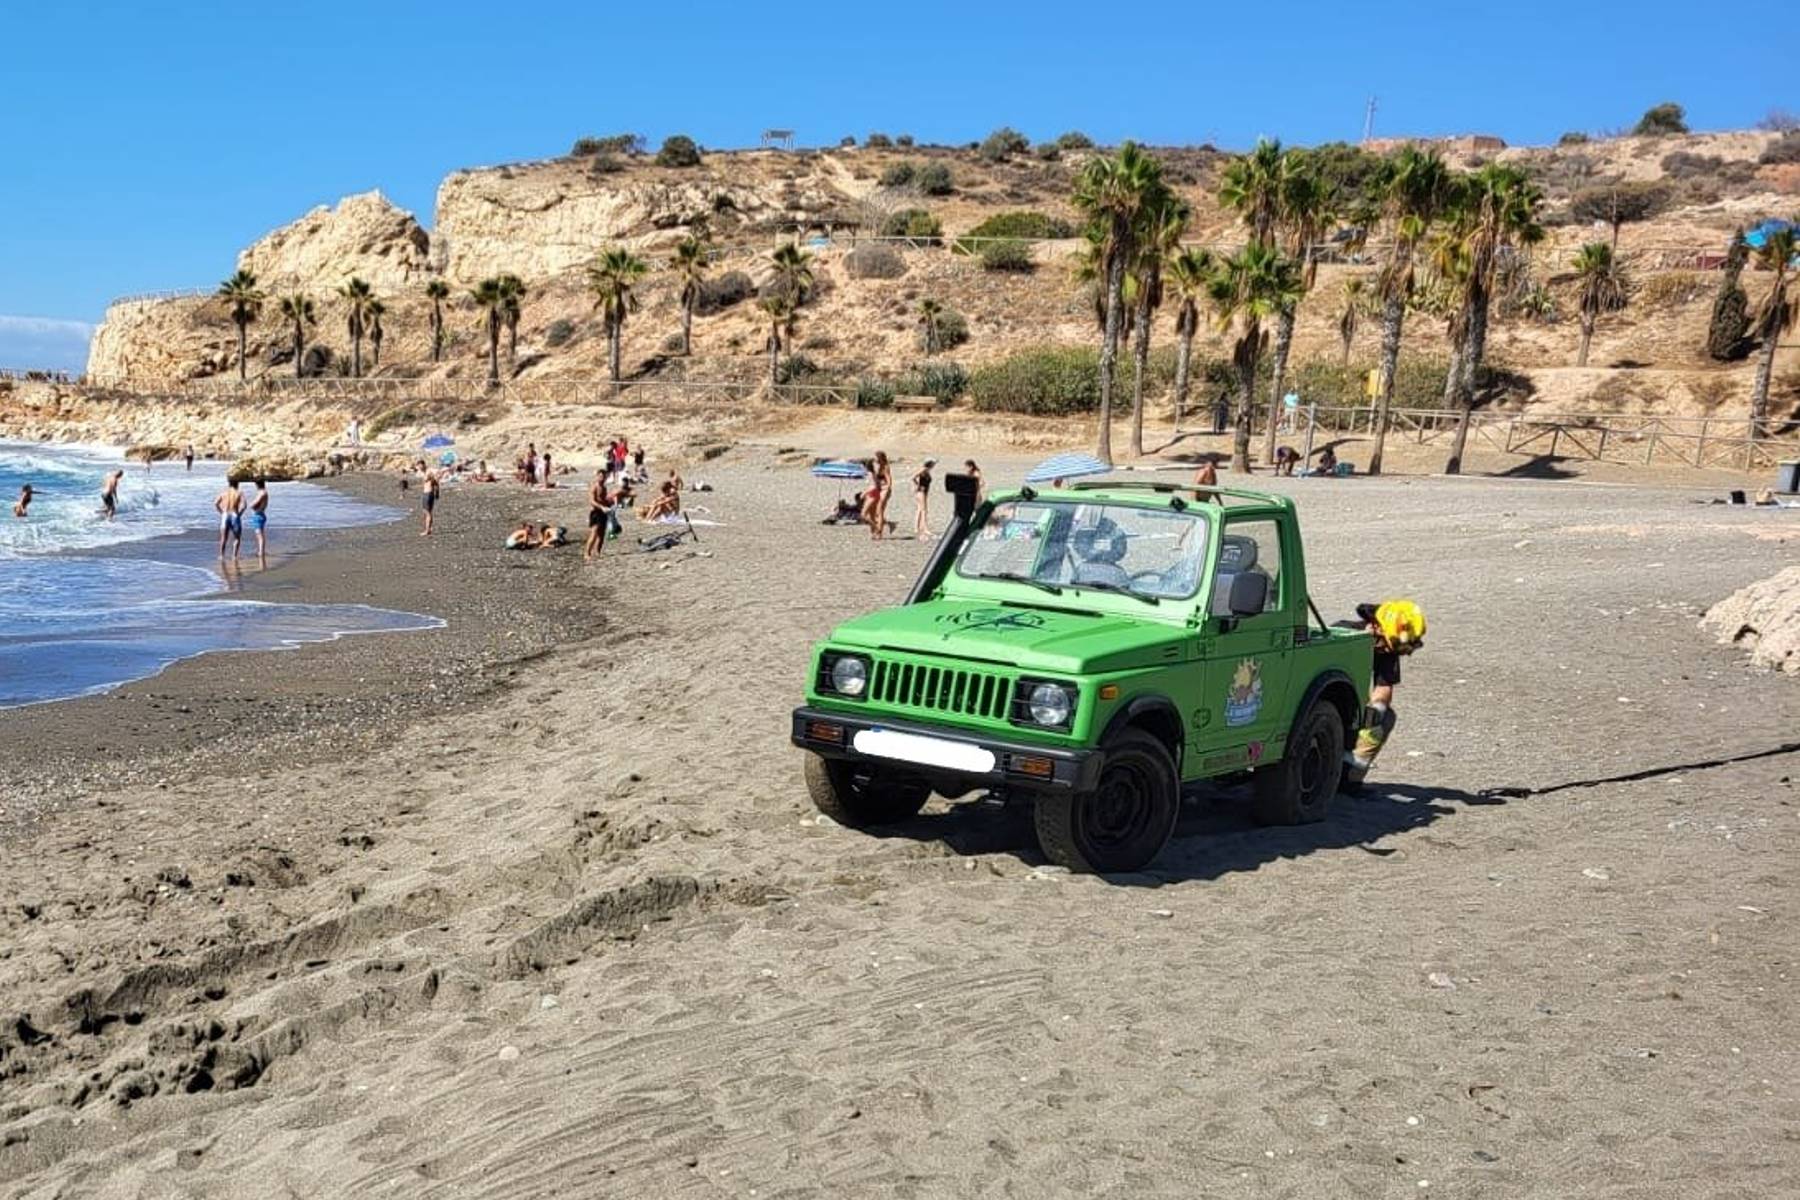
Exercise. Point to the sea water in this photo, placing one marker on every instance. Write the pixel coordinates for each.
(74, 623)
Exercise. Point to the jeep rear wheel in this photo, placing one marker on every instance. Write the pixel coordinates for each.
(1298, 789)
(858, 795)
(1127, 819)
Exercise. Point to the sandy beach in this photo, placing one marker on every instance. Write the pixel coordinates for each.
(536, 905)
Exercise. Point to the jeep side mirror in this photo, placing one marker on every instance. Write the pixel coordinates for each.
(1249, 592)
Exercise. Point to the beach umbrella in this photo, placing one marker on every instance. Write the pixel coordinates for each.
(838, 469)
(1066, 466)
(437, 441)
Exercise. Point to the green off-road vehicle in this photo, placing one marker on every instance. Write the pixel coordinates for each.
(1092, 649)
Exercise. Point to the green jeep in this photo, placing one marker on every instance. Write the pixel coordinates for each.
(1092, 649)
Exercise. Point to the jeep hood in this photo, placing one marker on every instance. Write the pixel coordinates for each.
(1030, 637)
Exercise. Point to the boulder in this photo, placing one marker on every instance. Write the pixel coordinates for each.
(276, 468)
(1764, 618)
(149, 453)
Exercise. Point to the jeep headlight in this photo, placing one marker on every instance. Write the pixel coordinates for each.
(849, 676)
(1049, 704)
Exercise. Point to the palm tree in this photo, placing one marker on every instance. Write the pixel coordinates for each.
(1414, 186)
(1251, 186)
(437, 291)
(1111, 192)
(297, 308)
(246, 301)
(610, 282)
(1356, 300)
(1246, 290)
(1305, 209)
(783, 315)
(1157, 242)
(1774, 316)
(929, 312)
(689, 263)
(491, 297)
(357, 296)
(1499, 211)
(1187, 276)
(1602, 290)
(376, 311)
(793, 273)
(512, 291)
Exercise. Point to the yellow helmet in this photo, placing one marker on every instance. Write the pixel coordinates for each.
(1401, 622)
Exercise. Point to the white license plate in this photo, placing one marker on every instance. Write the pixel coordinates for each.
(926, 751)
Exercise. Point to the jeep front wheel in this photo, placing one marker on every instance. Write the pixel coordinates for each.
(857, 795)
(1127, 819)
(1298, 789)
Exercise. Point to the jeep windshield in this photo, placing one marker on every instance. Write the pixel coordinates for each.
(1153, 553)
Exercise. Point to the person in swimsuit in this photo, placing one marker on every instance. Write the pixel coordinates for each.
(23, 504)
(974, 472)
(229, 504)
(259, 519)
(922, 499)
(600, 507)
(109, 494)
(188, 456)
(429, 500)
(525, 537)
(546, 469)
(1207, 477)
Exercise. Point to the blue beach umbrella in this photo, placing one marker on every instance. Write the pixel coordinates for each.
(437, 441)
(1066, 466)
(838, 470)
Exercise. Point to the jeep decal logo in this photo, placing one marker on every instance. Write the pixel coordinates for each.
(1000, 620)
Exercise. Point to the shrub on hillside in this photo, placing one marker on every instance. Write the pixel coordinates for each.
(871, 260)
(1662, 120)
(1621, 203)
(559, 333)
(720, 292)
(1048, 381)
(678, 150)
(1006, 256)
(900, 174)
(1683, 164)
(874, 393)
(905, 139)
(914, 223)
(796, 368)
(943, 380)
(1016, 224)
(934, 180)
(618, 143)
(952, 331)
(1785, 149)
(1573, 138)
(1671, 289)
(1003, 143)
(604, 164)
(1075, 140)
(878, 141)
(848, 141)
(1046, 152)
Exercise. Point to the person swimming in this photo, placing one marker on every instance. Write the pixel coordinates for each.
(23, 504)
(109, 494)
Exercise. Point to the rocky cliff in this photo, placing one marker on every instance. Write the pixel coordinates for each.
(365, 236)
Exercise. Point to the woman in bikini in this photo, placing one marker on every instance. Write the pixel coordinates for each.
(921, 499)
(883, 490)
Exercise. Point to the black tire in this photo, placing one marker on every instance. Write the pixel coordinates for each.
(857, 795)
(1124, 823)
(1298, 789)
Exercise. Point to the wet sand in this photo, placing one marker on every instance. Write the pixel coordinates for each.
(582, 934)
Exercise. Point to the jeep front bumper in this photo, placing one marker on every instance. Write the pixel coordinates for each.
(1017, 764)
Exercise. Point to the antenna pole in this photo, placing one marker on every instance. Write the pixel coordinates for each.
(1369, 120)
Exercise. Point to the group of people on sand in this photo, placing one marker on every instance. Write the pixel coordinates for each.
(870, 506)
(234, 510)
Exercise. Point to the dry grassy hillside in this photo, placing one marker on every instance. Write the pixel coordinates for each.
(545, 221)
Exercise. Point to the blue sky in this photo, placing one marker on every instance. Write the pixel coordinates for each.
(142, 145)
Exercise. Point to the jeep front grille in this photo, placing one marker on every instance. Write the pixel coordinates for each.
(944, 689)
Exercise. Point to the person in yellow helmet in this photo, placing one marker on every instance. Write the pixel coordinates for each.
(1398, 627)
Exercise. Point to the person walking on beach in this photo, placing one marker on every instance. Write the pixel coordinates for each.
(600, 511)
(429, 499)
(259, 519)
(884, 490)
(974, 472)
(109, 493)
(23, 503)
(922, 500)
(187, 456)
(545, 481)
(229, 504)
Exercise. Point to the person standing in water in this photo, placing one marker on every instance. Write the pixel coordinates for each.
(187, 456)
(259, 519)
(429, 500)
(23, 504)
(109, 494)
(229, 504)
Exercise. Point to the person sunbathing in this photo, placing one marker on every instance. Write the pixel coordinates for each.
(666, 504)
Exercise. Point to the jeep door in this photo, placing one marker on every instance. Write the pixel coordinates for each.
(1248, 659)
